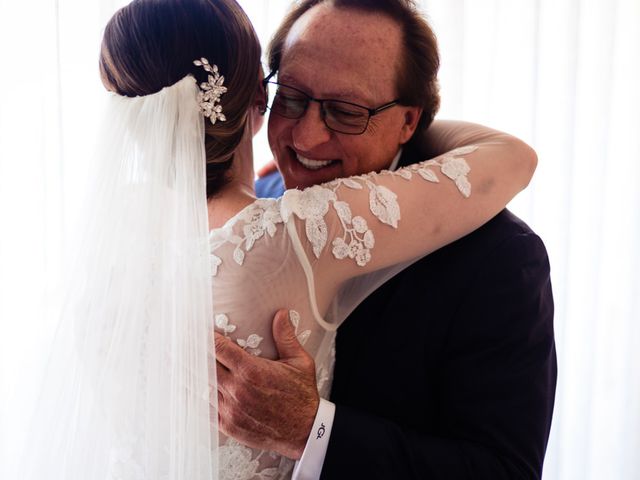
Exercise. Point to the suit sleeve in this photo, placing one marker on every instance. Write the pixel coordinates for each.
(496, 392)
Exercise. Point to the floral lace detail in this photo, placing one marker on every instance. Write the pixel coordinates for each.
(222, 322)
(259, 218)
(312, 204)
(237, 463)
(250, 344)
(356, 231)
(451, 164)
(215, 263)
(303, 336)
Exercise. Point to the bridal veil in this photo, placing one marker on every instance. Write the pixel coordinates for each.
(128, 383)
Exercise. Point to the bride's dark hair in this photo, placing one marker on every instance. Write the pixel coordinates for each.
(151, 44)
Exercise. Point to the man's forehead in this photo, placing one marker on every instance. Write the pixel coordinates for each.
(344, 42)
(327, 26)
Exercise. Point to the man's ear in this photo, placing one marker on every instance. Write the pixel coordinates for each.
(412, 116)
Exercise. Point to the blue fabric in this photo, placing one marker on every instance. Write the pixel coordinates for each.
(270, 186)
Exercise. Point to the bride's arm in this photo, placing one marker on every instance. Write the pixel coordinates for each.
(377, 220)
(445, 135)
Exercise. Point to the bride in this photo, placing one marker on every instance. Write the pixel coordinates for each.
(176, 245)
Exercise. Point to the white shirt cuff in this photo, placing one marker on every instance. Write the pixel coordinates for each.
(309, 466)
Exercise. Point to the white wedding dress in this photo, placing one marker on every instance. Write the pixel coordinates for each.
(318, 252)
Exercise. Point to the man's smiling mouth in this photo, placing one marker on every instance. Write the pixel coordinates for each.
(313, 164)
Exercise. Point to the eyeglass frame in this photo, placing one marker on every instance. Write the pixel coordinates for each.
(371, 111)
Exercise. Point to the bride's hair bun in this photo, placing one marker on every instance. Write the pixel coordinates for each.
(151, 44)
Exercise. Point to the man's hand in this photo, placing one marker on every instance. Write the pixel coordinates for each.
(267, 404)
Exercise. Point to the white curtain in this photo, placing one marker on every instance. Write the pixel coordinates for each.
(565, 76)
(562, 74)
(49, 90)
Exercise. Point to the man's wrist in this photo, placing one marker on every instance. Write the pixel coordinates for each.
(309, 466)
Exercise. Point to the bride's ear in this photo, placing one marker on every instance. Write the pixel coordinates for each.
(259, 106)
(260, 100)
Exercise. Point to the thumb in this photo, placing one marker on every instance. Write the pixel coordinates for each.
(284, 337)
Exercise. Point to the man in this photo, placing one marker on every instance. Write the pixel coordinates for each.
(448, 370)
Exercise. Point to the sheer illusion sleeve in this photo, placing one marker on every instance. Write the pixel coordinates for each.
(355, 233)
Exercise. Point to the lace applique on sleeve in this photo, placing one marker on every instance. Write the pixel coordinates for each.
(250, 344)
(357, 240)
(302, 336)
(259, 218)
(312, 205)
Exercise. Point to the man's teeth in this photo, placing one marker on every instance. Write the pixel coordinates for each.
(313, 164)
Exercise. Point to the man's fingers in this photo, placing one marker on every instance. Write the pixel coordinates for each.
(236, 362)
(224, 377)
(289, 348)
(284, 336)
(234, 422)
(228, 353)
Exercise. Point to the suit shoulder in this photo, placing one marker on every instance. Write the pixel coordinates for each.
(502, 230)
(504, 242)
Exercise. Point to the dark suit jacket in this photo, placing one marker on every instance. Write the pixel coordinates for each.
(448, 371)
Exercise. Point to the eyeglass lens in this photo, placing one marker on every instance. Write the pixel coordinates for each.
(338, 116)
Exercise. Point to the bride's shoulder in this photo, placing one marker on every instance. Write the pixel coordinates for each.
(247, 214)
(260, 217)
(255, 231)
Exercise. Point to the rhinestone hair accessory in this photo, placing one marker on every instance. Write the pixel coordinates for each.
(210, 92)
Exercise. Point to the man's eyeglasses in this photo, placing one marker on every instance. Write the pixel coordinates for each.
(339, 116)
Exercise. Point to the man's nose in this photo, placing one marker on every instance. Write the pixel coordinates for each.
(310, 129)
